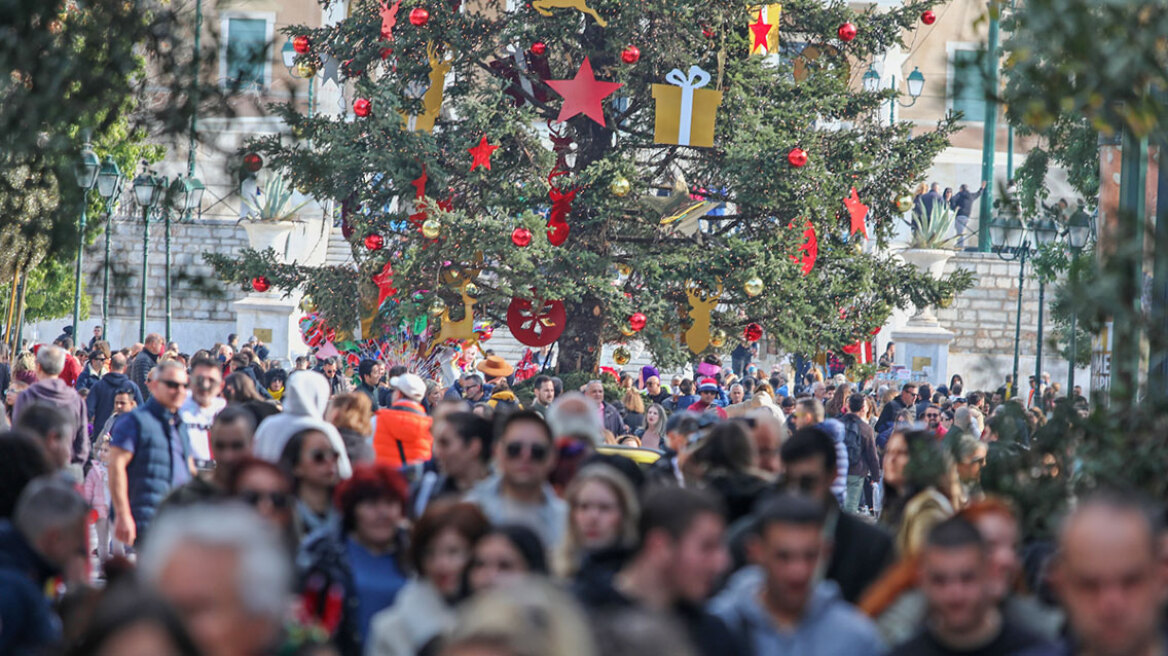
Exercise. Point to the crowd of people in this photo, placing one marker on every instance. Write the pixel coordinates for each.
(154, 502)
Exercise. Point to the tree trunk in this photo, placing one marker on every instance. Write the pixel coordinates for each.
(580, 344)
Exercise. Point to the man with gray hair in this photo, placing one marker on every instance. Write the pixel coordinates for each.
(150, 454)
(574, 415)
(145, 360)
(226, 571)
(47, 533)
(52, 390)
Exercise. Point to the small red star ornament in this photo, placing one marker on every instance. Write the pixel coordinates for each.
(481, 154)
(857, 211)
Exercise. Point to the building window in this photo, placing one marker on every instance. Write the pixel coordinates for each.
(967, 92)
(244, 53)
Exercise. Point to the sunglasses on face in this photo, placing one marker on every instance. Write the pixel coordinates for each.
(174, 384)
(279, 500)
(538, 452)
(321, 456)
(222, 447)
(931, 415)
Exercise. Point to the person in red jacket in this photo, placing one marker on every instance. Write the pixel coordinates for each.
(402, 435)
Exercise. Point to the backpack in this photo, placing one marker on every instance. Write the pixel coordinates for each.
(852, 440)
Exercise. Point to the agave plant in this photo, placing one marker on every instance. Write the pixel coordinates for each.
(932, 231)
(273, 203)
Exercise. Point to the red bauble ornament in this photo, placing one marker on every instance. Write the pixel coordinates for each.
(419, 16)
(846, 32)
(362, 107)
(301, 44)
(261, 283)
(631, 54)
(928, 17)
(374, 241)
(538, 48)
(797, 157)
(637, 321)
(521, 237)
(252, 162)
(752, 333)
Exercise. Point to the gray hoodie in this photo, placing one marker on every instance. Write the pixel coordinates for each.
(830, 625)
(54, 391)
(306, 395)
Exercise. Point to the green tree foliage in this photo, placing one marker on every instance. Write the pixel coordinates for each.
(619, 258)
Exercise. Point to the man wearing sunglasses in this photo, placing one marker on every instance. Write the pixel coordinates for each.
(150, 454)
(198, 411)
(519, 493)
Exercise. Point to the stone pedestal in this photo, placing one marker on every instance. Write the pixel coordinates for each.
(274, 320)
(923, 344)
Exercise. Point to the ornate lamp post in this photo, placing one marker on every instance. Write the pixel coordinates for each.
(1009, 239)
(86, 171)
(147, 192)
(185, 195)
(109, 187)
(1078, 233)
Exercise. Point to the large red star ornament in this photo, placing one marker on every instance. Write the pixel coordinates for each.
(857, 211)
(384, 282)
(481, 154)
(583, 94)
(388, 19)
(760, 29)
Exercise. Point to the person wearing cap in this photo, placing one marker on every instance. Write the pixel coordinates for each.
(708, 392)
(402, 432)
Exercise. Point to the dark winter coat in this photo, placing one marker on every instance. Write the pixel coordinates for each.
(27, 622)
(140, 367)
(100, 402)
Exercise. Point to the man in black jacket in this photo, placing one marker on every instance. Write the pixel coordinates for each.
(100, 401)
(962, 204)
(145, 361)
(860, 551)
(908, 395)
(673, 570)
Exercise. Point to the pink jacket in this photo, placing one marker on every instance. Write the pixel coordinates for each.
(94, 489)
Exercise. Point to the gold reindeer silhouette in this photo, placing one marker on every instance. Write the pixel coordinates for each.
(701, 303)
(544, 7)
(432, 100)
(463, 329)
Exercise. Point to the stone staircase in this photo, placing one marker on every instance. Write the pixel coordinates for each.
(339, 252)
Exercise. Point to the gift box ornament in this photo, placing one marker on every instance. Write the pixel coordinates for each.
(764, 29)
(685, 111)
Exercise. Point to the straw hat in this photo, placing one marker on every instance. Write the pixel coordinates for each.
(495, 367)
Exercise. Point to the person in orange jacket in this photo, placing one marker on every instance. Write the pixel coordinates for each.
(402, 435)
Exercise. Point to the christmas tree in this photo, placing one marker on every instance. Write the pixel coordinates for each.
(680, 172)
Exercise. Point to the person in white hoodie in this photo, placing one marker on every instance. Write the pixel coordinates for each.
(306, 395)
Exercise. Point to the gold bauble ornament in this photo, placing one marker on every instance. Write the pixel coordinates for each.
(718, 338)
(626, 331)
(431, 228)
(305, 69)
(753, 287)
(945, 302)
(620, 187)
(437, 307)
(904, 203)
(621, 355)
(471, 289)
(858, 246)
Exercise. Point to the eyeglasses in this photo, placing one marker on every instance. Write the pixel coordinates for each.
(538, 452)
(174, 384)
(931, 415)
(222, 447)
(321, 456)
(279, 500)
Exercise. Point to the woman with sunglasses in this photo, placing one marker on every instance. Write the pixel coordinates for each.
(268, 489)
(355, 568)
(311, 460)
(440, 552)
(95, 367)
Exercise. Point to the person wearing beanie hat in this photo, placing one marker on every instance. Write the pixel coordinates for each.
(708, 392)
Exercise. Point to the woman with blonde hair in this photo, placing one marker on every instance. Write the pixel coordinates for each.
(530, 617)
(351, 413)
(634, 409)
(602, 514)
(652, 434)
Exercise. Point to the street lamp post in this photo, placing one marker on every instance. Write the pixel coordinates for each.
(1045, 231)
(1010, 243)
(1078, 233)
(86, 171)
(916, 86)
(185, 195)
(109, 187)
(147, 190)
